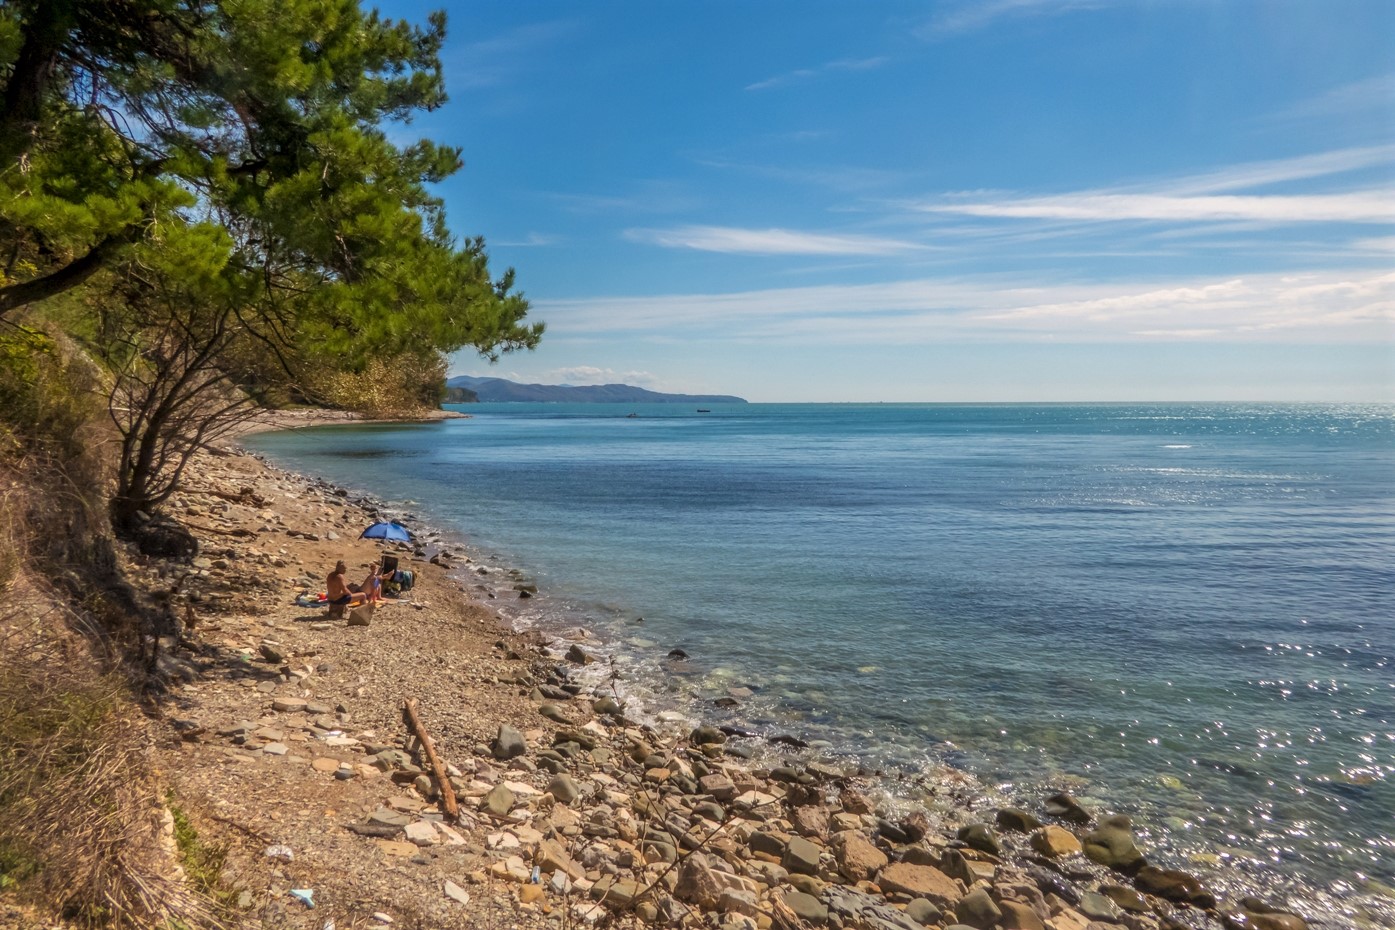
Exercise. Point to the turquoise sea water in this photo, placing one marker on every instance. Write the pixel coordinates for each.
(1182, 612)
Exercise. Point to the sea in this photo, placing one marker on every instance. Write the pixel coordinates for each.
(1181, 612)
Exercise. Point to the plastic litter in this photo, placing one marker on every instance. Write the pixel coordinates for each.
(280, 852)
(304, 895)
(536, 877)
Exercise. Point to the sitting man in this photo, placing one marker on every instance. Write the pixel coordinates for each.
(338, 593)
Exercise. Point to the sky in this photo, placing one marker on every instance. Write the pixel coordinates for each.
(954, 200)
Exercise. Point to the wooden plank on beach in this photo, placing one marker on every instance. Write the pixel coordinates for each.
(409, 711)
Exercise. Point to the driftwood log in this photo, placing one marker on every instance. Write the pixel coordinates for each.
(409, 712)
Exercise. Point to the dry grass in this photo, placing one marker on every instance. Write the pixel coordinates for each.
(81, 826)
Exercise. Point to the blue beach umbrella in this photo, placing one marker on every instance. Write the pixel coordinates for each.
(388, 531)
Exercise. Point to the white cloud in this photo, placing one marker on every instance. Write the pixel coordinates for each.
(804, 74)
(1261, 173)
(1367, 206)
(978, 14)
(586, 374)
(499, 60)
(1372, 93)
(730, 239)
(1333, 306)
(528, 241)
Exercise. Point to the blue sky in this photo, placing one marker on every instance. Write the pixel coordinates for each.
(988, 200)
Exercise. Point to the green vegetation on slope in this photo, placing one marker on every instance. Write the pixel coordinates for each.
(201, 212)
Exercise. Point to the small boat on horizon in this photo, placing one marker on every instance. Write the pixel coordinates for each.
(703, 410)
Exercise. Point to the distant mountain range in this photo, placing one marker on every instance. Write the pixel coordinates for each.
(500, 390)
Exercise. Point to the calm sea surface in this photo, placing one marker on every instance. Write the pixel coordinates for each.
(1182, 612)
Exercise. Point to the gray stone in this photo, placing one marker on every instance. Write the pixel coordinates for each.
(1126, 898)
(705, 735)
(717, 785)
(422, 833)
(579, 656)
(1017, 820)
(764, 841)
(1174, 885)
(508, 744)
(554, 713)
(977, 910)
(801, 856)
(980, 836)
(499, 801)
(923, 912)
(1112, 845)
(698, 883)
(1097, 907)
(564, 789)
(807, 907)
(1067, 808)
(737, 901)
(608, 706)
(953, 864)
(272, 653)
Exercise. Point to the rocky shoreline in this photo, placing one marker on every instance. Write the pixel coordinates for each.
(286, 742)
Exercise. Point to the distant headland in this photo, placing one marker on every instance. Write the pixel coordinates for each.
(500, 390)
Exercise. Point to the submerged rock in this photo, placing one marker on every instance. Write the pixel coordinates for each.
(1112, 845)
(1067, 808)
(1017, 820)
(1174, 885)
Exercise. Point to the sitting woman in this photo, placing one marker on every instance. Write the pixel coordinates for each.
(373, 584)
(338, 592)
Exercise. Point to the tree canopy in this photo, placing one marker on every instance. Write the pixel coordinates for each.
(248, 137)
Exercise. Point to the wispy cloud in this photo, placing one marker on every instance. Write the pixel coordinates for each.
(1368, 206)
(1274, 171)
(586, 374)
(1212, 197)
(1334, 306)
(1372, 93)
(979, 14)
(849, 178)
(645, 197)
(1375, 244)
(730, 239)
(501, 58)
(531, 240)
(833, 67)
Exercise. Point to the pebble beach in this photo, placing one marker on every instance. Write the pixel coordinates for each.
(286, 740)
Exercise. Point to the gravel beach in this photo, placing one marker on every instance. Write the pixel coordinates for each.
(286, 742)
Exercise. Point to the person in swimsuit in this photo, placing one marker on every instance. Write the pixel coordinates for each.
(338, 592)
(373, 584)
